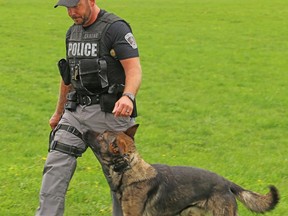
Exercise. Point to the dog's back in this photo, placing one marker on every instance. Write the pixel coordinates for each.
(176, 188)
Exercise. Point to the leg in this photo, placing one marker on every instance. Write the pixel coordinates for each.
(117, 210)
(58, 171)
(194, 211)
(223, 205)
(106, 121)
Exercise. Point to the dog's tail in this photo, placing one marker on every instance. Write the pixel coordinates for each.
(254, 201)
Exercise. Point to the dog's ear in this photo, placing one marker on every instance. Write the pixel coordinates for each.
(132, 131)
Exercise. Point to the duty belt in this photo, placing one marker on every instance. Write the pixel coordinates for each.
(88, 99)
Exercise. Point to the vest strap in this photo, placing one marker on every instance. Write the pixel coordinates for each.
(103, 73)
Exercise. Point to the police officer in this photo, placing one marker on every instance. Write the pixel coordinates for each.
(101, 75)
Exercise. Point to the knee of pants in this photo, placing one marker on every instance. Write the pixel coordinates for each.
(58, 171)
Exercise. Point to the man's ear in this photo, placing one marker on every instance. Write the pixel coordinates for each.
(132, 131)
(92, 2)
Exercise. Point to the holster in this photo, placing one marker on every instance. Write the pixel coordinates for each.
(64, 70)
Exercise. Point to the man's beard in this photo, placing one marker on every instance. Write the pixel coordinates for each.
(83, 19)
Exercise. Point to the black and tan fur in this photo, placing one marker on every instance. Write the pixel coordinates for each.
(161, 190)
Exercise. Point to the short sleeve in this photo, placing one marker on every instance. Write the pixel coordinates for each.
(119, 37)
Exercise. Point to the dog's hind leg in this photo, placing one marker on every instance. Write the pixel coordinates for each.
(194, 211)
(223, 205)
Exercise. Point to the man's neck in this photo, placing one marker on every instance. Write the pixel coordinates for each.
(93, 17)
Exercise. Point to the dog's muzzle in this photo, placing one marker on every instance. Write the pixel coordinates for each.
(120, 164)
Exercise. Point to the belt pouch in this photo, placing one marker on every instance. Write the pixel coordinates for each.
(71, 103)
(107, 102)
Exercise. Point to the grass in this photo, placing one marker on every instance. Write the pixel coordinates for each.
(213, 95)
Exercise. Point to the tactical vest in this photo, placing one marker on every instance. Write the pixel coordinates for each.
(92, 68)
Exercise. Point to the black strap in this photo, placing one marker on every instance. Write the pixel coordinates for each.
(62, 147)
(103, 73)
(68, 149)
(69, 129)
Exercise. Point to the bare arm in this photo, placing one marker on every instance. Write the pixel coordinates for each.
(63, 90)
(133, 73)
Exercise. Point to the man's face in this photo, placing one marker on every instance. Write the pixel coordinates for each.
(81, 13)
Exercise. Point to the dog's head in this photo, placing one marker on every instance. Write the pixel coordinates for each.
(112, 148)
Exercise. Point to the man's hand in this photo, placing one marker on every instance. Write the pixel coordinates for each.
(123, 107)
(63, 91)
(54, 120)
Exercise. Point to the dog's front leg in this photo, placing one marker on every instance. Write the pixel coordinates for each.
(133, 200)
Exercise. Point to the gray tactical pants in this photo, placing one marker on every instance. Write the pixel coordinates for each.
(59, 167)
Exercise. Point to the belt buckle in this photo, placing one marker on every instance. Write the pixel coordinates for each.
(88, 100)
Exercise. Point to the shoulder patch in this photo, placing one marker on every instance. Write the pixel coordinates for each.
(131, 40)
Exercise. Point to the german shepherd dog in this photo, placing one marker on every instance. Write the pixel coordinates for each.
(160, 190)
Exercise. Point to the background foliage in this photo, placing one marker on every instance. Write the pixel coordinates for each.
(213, 95)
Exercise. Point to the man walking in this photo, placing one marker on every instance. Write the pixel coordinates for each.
(101, 76)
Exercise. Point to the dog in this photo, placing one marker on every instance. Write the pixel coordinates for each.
(160, 190)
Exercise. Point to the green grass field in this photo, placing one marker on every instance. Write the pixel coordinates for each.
(214, 95)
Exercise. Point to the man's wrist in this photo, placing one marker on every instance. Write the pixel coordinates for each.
(129, 95)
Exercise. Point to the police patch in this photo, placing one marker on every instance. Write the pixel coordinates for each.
(131, 40)
(82, 49)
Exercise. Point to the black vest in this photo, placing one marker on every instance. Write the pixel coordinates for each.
(92, 68)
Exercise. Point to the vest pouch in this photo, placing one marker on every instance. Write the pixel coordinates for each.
(92, 76)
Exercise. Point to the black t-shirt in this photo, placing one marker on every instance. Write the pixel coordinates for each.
(118, 38)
